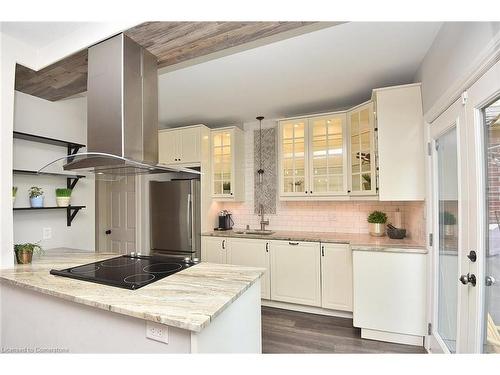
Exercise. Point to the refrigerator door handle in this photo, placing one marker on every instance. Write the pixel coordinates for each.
(190, 221)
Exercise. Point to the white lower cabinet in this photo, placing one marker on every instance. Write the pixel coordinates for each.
(336, 277)
(296, 272)
(305, 273)
(214, 249)
(252, 253)
(390, 295)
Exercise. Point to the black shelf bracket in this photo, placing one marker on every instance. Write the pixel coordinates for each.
(71, 213)
(71, 182)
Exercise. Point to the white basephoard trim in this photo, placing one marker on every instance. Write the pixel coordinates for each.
(398, 338)
(306, 309)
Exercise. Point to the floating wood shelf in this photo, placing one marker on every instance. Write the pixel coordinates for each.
(71, 146)
(71, 211)
(71, 179)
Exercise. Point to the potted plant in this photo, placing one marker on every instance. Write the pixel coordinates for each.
(377, 220)
(63, 197)
(36, 196)
(14, 193)
(367, 181)
(24, 252)
(449, 222)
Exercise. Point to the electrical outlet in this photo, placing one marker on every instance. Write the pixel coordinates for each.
(47, 233)
(157, 332)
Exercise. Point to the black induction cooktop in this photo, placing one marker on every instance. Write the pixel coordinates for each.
(127, 271)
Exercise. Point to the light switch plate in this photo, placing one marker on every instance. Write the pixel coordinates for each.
(47, 233)
(157, 332)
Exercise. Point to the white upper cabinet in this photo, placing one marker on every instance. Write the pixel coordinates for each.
(362, 174)
(327, 155)
(401, 146)
(312, 153)
(227, 153)
(182, 145)
(293, 157)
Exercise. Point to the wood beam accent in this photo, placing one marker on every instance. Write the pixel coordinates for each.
(61, 80)
(171, 42)
(176, 42)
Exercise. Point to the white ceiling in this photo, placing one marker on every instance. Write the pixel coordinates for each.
(329, 69)
(40, 34)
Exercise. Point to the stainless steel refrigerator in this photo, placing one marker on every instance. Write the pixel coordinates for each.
(175, 218)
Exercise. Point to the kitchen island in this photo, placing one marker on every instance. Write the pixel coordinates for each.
(205, 308)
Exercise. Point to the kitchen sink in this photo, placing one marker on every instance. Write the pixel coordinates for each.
(254, 231)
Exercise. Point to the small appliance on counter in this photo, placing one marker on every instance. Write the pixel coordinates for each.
(225, 221)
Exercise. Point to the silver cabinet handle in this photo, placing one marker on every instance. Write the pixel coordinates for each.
(293, 243)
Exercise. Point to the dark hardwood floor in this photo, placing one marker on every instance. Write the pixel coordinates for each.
(285, 331)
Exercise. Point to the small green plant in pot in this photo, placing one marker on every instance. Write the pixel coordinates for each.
(14, 193)
(24, 252)
(36, 196)
(63, 197)
(377, 220)
(449, 222)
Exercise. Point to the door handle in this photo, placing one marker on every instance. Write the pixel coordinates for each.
(470, 278)
(108, 231)
(490, 280)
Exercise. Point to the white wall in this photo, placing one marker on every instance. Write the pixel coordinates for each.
(456, 47)
(67, 120)
(15, 51)
(12, 51)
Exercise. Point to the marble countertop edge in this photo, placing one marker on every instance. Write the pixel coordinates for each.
(190, 299)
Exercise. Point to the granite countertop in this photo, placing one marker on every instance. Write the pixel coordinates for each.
(189, 299)
(362, 242)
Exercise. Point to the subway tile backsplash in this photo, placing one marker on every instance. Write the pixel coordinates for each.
(340, 217)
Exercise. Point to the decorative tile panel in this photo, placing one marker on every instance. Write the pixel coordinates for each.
(265, 193)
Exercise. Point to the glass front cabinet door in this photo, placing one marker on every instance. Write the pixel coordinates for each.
(222, 163)
(293, 158)
(362, 175)
(329, 155)
(312, 156)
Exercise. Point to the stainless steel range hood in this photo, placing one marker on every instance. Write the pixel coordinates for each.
(122, 112)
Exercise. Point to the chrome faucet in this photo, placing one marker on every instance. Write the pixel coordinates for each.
(263, 222)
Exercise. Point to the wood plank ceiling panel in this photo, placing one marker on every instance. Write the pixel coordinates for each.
(171, 42)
